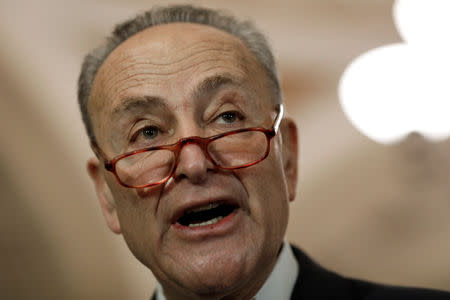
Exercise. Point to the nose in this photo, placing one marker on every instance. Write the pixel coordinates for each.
(193, 164)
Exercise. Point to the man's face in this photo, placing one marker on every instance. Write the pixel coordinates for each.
(184, 80)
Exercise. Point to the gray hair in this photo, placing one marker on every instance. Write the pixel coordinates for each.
(245, 31)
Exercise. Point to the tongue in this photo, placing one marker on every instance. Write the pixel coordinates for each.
(206, 215)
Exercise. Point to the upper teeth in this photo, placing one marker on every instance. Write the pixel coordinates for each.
(204, 207)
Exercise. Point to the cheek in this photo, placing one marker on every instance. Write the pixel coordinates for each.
(136, 214)
(268, 195)
(140, 229)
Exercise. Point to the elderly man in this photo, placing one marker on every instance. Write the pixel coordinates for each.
(196, 163)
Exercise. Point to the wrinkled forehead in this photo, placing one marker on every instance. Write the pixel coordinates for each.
(168, 61)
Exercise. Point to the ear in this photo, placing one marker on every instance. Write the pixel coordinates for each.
(104, 195)
(290, 154)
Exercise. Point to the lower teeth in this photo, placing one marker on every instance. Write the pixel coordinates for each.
(210, 222)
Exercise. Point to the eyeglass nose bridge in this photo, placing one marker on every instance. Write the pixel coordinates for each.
(202, 142)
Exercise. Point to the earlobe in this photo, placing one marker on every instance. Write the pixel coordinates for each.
(104, 195)
(290, 155)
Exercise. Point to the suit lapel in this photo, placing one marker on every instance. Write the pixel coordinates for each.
(315, 282)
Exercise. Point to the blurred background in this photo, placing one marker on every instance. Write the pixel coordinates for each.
(378, 212)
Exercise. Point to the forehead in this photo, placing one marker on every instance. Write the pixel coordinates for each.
(168, 61)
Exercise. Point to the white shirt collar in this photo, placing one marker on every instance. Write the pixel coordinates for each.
(280, 283)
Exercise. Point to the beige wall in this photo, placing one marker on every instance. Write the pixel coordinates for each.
(366, 210)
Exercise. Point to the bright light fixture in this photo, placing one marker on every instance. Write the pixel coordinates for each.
(397, 89)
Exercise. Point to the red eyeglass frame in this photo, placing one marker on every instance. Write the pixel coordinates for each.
(176, 147)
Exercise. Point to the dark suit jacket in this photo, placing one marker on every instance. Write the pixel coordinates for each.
(317, 283)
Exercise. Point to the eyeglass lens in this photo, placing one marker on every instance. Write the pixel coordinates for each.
(230, 151)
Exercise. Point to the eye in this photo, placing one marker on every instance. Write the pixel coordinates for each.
(229, 117)
(150, 132)
(146, 133)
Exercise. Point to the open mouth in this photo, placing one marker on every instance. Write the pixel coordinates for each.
(206, 215)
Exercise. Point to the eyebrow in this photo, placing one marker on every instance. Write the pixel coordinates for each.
(212, 84)
(206, 87)
(137, 103)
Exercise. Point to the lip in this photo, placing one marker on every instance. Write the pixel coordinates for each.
(225, 226)
(179, 211)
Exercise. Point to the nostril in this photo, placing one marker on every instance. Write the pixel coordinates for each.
(193, 164)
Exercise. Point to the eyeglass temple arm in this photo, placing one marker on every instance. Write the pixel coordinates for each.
(279, 117)
(98, 152)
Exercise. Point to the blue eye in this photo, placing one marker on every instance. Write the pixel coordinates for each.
(150, 132)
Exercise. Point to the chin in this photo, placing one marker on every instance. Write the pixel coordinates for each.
(217, 274)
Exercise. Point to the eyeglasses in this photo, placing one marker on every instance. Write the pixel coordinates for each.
(230, 150)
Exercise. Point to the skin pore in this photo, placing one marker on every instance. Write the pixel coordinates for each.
(182, 79)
